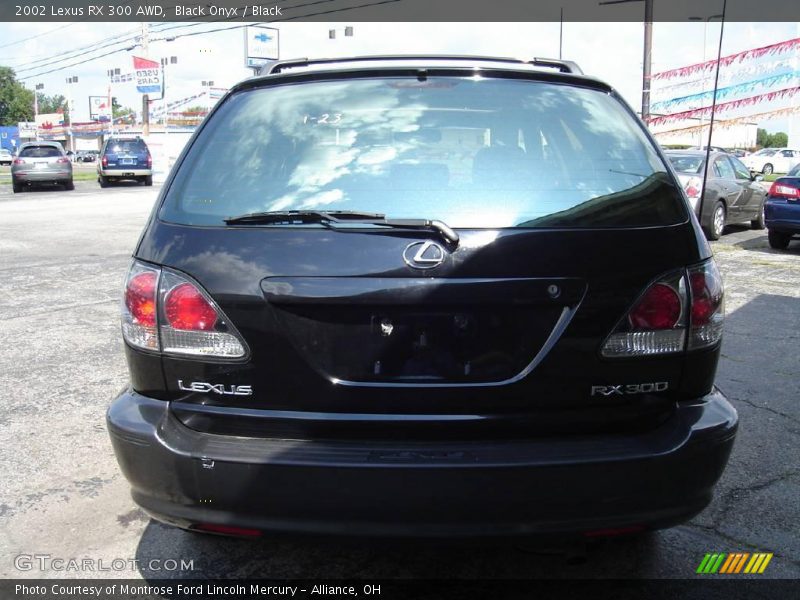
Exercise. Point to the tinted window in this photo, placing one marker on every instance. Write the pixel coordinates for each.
(686, 163)
(126, 147)
(725, 168)
(742, 172)
(471, 152)
(795, 172)
(40, 152)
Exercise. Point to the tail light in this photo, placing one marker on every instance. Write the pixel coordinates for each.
(149, 161)
(104, 160)
(62, 160)
(167, 312)
(708, 308)
(682, 311)
(782, 190)
(139, 308)
(19, 161)
(693, 186)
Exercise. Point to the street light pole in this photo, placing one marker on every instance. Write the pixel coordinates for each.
(70, 82)
(111, 74)
(39, 86)
(703, 80)
(713, 106)
(164, 62)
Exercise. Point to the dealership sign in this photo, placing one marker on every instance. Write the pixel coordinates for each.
(99, 108)
(49, 120)
(148, 75)
(261, 44)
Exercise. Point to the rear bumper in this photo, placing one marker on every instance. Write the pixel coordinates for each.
(560, 485)
(124, 172)
(782, 215)
(34, 176)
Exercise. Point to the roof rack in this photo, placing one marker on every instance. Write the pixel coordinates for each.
(565, 66)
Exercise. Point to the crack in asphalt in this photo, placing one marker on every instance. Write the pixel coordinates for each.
(766, 408)
(728, 497)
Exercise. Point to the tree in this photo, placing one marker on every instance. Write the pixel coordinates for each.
(119, 111)
(771, 140)
(779, 140)
(16, 102)
(762, 137)
(51, 104)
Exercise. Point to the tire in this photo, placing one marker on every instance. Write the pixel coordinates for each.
(778, 239)
(716, 224)
(759, 222)
(16, 187)
(148, 181)
(103, 181)
(767, 170)
(70, 185)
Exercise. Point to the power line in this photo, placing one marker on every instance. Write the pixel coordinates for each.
(75, 52)
(118, 50)
(33, 37)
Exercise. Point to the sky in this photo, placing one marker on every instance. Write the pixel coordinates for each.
(610, 51)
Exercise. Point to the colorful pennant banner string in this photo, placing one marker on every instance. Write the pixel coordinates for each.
(726, 92)
(772, 49)
(725, 76)
(727, 123)
(725, 106)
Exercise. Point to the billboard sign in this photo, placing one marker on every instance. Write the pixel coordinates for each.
(261, 45)
(148, 75)
(49, 120)
(99, 108)
(27, 129)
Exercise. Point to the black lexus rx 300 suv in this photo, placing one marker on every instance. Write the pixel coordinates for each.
(422, 296)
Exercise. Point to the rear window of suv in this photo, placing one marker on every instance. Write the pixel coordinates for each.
(40, 152)
(126, 147)
(473, 152)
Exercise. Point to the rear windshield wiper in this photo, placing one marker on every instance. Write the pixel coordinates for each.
(333, 218)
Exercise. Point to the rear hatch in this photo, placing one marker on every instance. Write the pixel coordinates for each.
(565, 215)
(126, 154)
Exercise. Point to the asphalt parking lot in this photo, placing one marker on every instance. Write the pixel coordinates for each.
(63, 256)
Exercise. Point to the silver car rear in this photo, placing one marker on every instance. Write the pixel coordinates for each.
(41, 163)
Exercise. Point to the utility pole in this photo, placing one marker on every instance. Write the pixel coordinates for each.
(648, 47)
(146, 98)
(647, 62)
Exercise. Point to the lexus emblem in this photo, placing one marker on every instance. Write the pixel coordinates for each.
(424, 255)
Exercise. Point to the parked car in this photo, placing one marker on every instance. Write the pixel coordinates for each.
(125, 159)
(782, 209)
(772, 160)
(713, 148)
(733, 194)
(422, 296)
(6, 158)
(86, 156)
(738, 152)
(41, 162)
